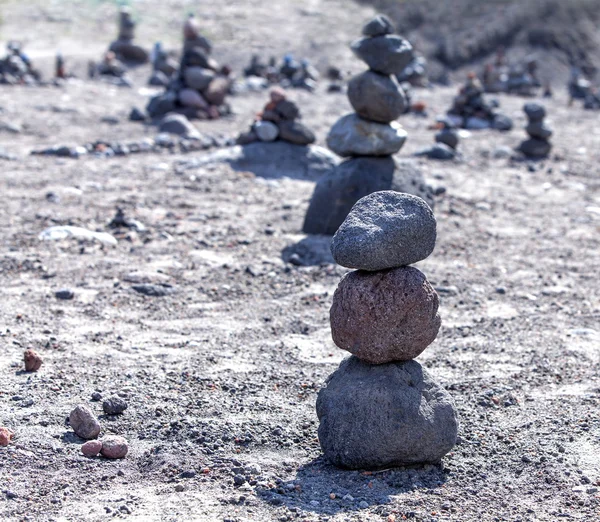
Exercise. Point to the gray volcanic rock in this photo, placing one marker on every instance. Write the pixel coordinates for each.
(534, 111)
(178, 124)
(266, 130)
(374, 417)
(448, 137)
(534, 148)
(379, 25)
(296, 133)
(385, 316)
(272, 160)
(339, 189)
(438, 151)
(376, 97)
(389, 54)
(385, 229)
(198, 78)
(84, 422)
(538, 130)
(353, 136)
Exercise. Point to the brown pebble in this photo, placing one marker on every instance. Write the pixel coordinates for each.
(33, 361)
(114, 447)
(91, 448)
(6, 436)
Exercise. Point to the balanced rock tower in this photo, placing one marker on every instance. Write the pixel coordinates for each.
(381, 408)
(538, 145)
(369, 136)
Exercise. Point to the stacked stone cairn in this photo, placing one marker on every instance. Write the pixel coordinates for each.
(470, 109)
(446, 142)
(538, 145)
(369, 136)
(16, 68)
(200, 87)
(278, 121)
(381, 408)
(123, 47)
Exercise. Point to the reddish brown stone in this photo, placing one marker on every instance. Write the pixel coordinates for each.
(114, 447)
(390, 315)
(91, 448)
(5, 436)
(33, 361)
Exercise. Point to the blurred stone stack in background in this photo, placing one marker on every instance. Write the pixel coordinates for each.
(369, 136)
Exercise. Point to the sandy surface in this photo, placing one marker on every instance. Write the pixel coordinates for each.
(221, 376)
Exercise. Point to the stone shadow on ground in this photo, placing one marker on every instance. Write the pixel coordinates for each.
(310, 251)
(318, 481)
(271, 160)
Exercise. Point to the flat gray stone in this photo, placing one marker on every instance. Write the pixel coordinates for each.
(339, 189)
(354, 136)
(438, 151)
(539, 130)
(198, 78)
(271, 160)
(380, 416)
(376, 97)
(385, 229)
(388, 54)
(178, 124)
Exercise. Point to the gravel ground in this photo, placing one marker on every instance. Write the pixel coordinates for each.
(221, 375)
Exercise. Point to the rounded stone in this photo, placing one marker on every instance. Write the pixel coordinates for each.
(538, 130)
(266, 130)
(378, 25)
(376, 97)
(448, 137)
(91, 448)
(438, 151)
(114, 447)
(534, 148)
(340, 188)
(6, 436)
(375, 417)
(353, 136)
(385, 229)
(296, 132)
(534, 111)
(198, 78)
(33, 361)
(177, 124)
(384, 316)
(84, 423)
(114, 406)
(388, 54)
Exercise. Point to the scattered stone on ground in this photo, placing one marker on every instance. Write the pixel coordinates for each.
(114, 447)
(91, 448)
(84, 422)
(114, 406)
(33, 361)
(6, 436)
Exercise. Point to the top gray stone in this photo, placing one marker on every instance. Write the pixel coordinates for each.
(534, 111)
(378, 26)
(385, 229)
(387, 54)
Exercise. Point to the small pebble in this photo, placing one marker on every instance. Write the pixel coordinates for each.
(96, 396)
(33, 361)
(114, 447)
(91, 448)
(65, 294)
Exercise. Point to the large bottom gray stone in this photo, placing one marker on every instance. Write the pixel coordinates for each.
(337, 191)
(533, 148)
(380, 416)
